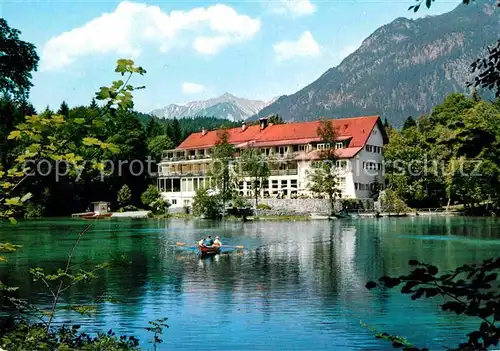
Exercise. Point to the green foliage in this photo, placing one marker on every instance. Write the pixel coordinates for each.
(410, 122)
(150, 195)
(391, 203)
(207, 205)
(449, 156)
(28, 336)
(158, 144)
(157, 328)
(124, 195)
(152, 198)
(470, 290)
(351, 204)
(153, 128)
(221, 170)
(264, 207)
(255, 165)
(323, 178)
(19, 59)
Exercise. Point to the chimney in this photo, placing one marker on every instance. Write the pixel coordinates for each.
(263, 122)
(203, 131)
(244, 126)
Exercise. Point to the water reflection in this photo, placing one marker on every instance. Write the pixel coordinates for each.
(304, 279)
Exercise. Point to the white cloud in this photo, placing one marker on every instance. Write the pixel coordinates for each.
(192, 88)
(131, 26)
(305, 46)
(294, 8)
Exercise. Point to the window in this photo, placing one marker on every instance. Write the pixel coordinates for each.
(282, 150)
(323, 146)
(356, 186)
(186, 202)
(293, 183)
(341, 164)
(302, 147)
(295, 148)
(184, 184)
(284, 183)
(174, 201)
(339, 145)
(240, 185)
(275, 184)
(249, 185)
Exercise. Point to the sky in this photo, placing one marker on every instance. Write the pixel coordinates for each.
(194, 50)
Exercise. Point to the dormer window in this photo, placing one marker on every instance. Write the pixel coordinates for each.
(339, 145)
(323, 146)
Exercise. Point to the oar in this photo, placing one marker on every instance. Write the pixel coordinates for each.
(237, 247)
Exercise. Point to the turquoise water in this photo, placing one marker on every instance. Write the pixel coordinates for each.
(295, 286)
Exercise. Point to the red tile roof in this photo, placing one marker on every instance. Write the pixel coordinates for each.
(358, 129)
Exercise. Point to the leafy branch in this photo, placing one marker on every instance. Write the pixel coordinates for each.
(471, 289)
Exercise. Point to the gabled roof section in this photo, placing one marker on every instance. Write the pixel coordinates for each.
(357, 129)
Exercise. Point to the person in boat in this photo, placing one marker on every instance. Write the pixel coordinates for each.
(208, 242)
(217, 242)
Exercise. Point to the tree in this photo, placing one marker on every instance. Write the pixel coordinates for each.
(409, 122)
(176, 132)
(153, 128)
(386, 123)
(63, 109)
(207, 204)
(255, 165)
(124, 195)
(17, 60)
(152, 199)
(275, 119)
(323, 178)
(150, 195)
(222, 157)
(158, 144)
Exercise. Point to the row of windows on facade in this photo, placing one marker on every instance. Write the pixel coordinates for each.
(372, 166)
(282, 150)
(193, 184)
(363, 186)
(373, 148)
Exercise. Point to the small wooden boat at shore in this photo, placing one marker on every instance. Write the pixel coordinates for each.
(212, 250)
(96, 216)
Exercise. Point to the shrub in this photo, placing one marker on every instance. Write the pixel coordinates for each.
(264, 207)
(124, 195)
(207, 205)
(351, 204)
(150, 195)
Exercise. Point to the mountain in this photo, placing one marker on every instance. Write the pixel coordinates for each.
(404, 68)
(225, 106)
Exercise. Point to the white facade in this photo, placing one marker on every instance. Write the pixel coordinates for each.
(182, 172)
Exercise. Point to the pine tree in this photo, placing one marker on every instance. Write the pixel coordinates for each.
(153, 128)
(176, 132)
(63, 109)
(410, 122)
(93, 104)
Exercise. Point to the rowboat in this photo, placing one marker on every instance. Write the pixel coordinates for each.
(213, 250)
(96, 216)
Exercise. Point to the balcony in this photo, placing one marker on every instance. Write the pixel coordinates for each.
(284, 172)
(201, 173)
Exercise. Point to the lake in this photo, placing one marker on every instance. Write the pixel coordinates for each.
(295, 286)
